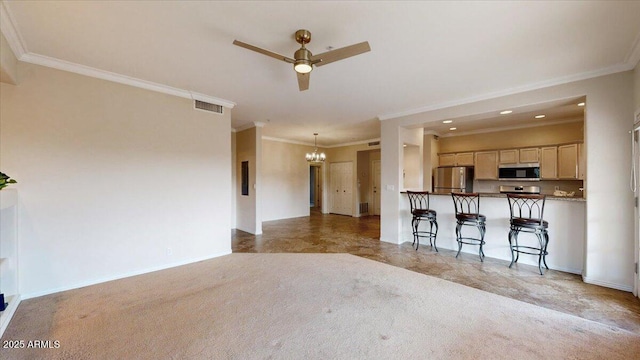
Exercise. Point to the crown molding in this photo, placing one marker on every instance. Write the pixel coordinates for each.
(354, 143)
(506, 128)
(319, 146)
(516, 90)
(17, 44)
(633, 57)
(294, 142)
(10, 32)
(121, 79)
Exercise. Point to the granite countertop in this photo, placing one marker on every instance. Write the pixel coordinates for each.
(500, 195)
(549, 197)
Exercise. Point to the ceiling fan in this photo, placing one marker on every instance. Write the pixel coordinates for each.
(303, 61)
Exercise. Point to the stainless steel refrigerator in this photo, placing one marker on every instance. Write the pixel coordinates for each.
(453, 179)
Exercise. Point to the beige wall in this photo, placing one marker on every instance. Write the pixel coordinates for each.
(8, 63)
(285, 178)
(247, 215)
(412, 169)
(535, 136)
(113, 180)
(636, 81)
(341, 154)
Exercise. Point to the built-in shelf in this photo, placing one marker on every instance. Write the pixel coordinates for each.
(8, 255)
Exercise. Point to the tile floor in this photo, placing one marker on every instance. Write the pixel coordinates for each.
(555, 290)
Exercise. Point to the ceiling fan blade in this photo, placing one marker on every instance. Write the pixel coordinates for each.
(339, 54)
(303, 81)
(263, 51)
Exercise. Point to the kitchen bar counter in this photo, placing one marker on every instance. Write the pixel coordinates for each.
(549, 197)
(566, 217)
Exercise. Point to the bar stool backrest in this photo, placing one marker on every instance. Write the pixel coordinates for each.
(527, 206)
(466, 203)
(419, 200)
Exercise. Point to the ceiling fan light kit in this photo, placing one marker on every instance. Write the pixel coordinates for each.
(303, 60)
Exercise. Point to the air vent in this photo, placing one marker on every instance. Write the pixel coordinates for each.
(208, 107)
(374, 143)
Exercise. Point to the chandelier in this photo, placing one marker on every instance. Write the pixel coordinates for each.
(315, 156)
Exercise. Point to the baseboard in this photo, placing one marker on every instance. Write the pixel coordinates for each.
(120, 276)
(7, 314)
(607, 284)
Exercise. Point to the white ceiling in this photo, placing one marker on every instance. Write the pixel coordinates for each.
(424, 55)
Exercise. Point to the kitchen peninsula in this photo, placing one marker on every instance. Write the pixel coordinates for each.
(566, 229)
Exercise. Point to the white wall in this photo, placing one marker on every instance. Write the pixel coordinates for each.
(609, 210)
(113, 180)
(285, 176)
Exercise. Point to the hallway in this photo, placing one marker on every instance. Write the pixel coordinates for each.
(555, 290)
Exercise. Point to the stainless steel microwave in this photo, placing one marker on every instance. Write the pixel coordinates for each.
(521, 172)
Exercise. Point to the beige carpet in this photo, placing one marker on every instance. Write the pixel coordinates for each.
(302, 306)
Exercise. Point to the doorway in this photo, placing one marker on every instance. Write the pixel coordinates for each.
(315, 187)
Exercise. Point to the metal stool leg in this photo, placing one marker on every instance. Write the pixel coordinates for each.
(511, 239)
(544, 256)
(481, 229)
(435, 235)
(459, 238)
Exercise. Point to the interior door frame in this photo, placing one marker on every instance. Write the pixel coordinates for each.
(634, 186)
(317, 198)
(373, 196)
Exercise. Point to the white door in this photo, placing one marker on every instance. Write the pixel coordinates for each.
(376, 186)
(341, 188)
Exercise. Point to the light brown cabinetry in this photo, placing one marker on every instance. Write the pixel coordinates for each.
(582, 169)
(509, 156)
(528, 155)
(459, 159)
(447, 160)
(568, 161)
(486, 165)
(549, 163)
(519, 156)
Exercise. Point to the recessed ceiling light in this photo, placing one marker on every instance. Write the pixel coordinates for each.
(447, 121)
(452, 128)
(540, 116)
(581, 104)
(505, 112)
(404, 145)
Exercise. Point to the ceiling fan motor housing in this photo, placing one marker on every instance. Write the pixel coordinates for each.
(303, 60)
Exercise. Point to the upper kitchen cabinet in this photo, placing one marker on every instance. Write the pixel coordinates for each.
(509, 156)
(458, 159)
(582, 168)
(549, 163)
(568, 161)
(529, 155)
(519, 156)
(486, 166)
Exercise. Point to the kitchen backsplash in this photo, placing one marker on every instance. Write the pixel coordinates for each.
(546, 187)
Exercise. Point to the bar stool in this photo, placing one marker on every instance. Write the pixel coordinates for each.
(420, 211)
(467, 206)
(527, 211)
